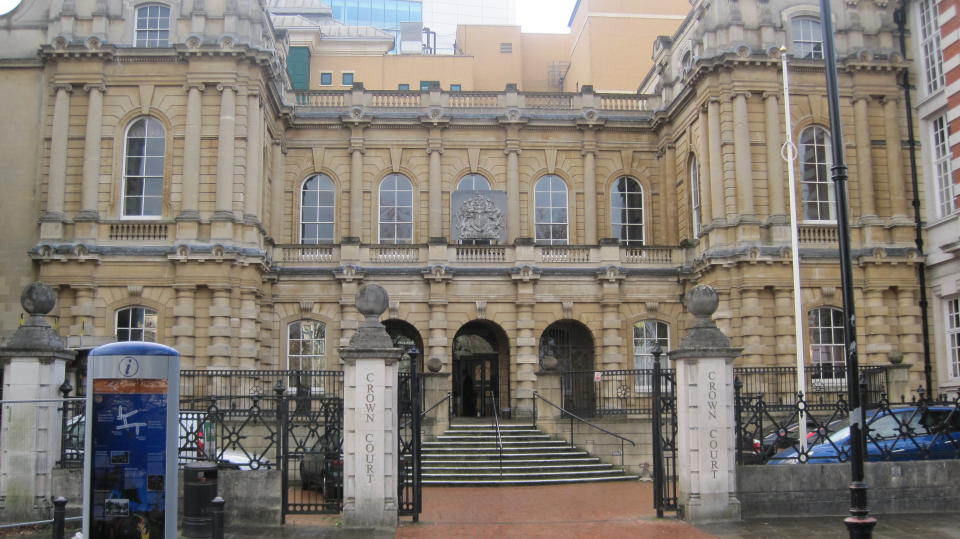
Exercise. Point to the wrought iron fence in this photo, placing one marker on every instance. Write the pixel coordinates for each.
(917, 429)
(613, 392)
(240, 385)
(824, 383)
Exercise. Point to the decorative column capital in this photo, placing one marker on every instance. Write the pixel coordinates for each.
(98, 86)
(771, 95)
(887, 99)
(65, 86)
(195, 85)
(745, 94)
(224, 87)
(862, 97)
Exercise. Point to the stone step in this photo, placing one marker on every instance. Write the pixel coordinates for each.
(439, 467)
(496, 455)
(565, 474)
(493, 444)
(520, 482)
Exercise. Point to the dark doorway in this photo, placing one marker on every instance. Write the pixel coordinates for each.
(405, 337)
(571, 343)
(480, 369)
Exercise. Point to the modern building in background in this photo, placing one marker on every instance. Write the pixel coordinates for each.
(936, 35)
(172, 186)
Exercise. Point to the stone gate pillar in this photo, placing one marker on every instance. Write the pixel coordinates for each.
(370, 431)
(705, 426)
(33, 361)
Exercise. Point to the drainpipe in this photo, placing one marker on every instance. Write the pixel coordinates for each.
(900, 17)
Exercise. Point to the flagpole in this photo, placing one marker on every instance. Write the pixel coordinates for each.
(789, 153)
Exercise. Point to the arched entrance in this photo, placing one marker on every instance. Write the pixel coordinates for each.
(571, 344)
(481, 369)
(405, 336)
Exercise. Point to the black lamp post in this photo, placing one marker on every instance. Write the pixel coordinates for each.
(859, 523)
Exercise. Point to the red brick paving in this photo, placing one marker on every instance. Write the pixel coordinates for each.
(607, 510)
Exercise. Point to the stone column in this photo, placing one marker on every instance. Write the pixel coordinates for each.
(33, 360)
(513, 191)
(717, 191)
(775, 172)
(253, 185)
(91, 157)
(751, 313)
(613, 358)
(183, 329)
(277, 193)
(249, 314)
(435, 213)
(589, 153)
(370, 418)
(706, 199)
(875, 316)
(668, 221)
(785, 338)
(51, 226)
(911, 336)
(526, 359)
(897, 188)
(356, 192)
(82, 312)
(222, 227)
(187, 221)
(861, 118)
(438, 353)
(743, 161)
(707, 468)
(219, 351)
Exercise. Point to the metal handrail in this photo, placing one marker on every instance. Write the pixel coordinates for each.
(448, 396)
(496, 423)
(573, 416)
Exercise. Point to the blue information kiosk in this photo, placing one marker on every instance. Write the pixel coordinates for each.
(130, 449)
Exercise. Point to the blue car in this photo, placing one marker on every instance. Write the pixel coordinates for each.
(907, 433)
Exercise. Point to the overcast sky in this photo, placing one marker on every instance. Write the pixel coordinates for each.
(532, 15)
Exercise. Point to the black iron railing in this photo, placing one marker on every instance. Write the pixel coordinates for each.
(239, 385)
(573, 417)
(611, 392)
(824, 383)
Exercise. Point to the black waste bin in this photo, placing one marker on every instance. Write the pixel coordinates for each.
(199, 490)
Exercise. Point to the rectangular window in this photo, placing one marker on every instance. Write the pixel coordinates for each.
(456, 88)
(930, 49)
(506, 48)
(427, 84)
(946, 201)
(298, 67)
(326, 78)
(953, 336)
(347, 79)
(152, 26)
(403, 87)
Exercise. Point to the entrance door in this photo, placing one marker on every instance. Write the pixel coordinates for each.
(475, 388)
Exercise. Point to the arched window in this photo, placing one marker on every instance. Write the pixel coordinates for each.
(306, 345)
(473, 182)
(396, 209)
(317, 209)
(827, 348)
(646, 333)
(627, 211)
(807, 38)
(136, 324)
(694, 170)
(816, 190)
(143, 168)
(153, 26)
(550, 215)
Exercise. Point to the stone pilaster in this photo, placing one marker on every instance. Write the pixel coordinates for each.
(707, 469)
(277, 193)
(777, 218)
(525, 279)
(706, 211)
(82, 312)
(219, 351)
(513, 191)
(897, 188)
(784, 334)
(222, 227)
(51, 222)
(435, 213)
(589, 152)
(438, 344)
(89, 210)
(249, 315)
(717, 192)
(183, 330)
(613, 357)
(356, 185)
(253, 186)
(668, 213)
(752, 329)
(743, 162)
(911, 336)
(861, 120)
(875, 316)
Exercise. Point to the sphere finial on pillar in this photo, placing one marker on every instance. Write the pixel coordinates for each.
(371, 300)
(38, 299)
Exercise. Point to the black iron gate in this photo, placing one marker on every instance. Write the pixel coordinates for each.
(409, 404)
(664, 434)
(310, 452)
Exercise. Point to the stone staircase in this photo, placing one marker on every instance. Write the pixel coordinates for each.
(467, 455)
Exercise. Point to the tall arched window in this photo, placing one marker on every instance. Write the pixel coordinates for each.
(136, 324)
(646, 333)
(317, 209)
(695, 216)
(827, 348)
(626, 214)
(473, 182)
(816, 189)
(807, 38)
(153, 26)
(143, 168)
(396, 209)
(306, 345)
(550, 214)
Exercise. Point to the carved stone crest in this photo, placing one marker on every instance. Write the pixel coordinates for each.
(479, 218)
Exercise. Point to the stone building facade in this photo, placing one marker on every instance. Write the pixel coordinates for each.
(173, 188)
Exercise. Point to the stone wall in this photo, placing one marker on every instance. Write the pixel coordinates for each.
(821, 489)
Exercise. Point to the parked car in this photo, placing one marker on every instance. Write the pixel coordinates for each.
(789, 436)
(321, 469)
(906, 433)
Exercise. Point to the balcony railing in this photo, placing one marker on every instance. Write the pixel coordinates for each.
(818, 234)
(137, 231)
(481, 253)
(565, 253)
(394, 254)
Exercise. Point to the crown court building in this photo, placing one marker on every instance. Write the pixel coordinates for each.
(556, 199)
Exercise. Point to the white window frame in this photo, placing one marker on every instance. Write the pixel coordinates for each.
(551, 208)
(396, 240)
(162, 25)
(318, 359)
(803, 45)
(826, 181)
(320, 78)
(303, 207)
(825, 350)
(473, 178)
(143, 176)
(942, 169)
(931, 52)
(616, 217)
(952, 329)
(642, 346)
(353, 79)
(693, 173)
(147, 315)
